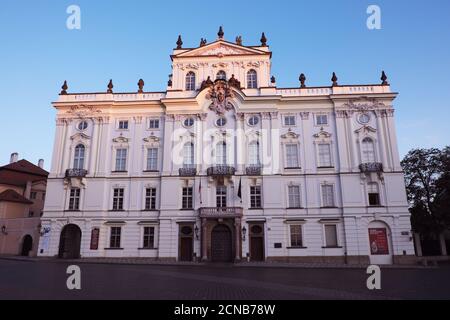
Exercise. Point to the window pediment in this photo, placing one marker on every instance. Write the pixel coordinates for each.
(80, 136)
(121, 139)
(290, 135)
(152, 139)
(365, 130)
(322, 134)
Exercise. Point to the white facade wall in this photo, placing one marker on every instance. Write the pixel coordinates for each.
(342, 105)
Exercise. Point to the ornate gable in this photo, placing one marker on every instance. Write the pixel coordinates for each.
(220, 49)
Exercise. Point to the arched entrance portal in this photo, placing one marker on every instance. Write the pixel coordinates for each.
(221, 244)
(27, 245)
(380, 243)
(70, 242)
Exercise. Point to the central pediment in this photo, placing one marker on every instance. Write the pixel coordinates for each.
(221, 48)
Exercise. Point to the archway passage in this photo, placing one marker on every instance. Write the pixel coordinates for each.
(70, 242)
(221, 244)
(27, 245)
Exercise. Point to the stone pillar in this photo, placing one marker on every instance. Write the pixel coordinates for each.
(168, 141)
(418, 244)
(240, 143)
(204, 240)
(237, 226)
(443, 245)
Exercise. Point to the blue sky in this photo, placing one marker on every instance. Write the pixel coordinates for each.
(128, 40)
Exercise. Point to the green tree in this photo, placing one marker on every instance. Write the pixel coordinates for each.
(427, 175)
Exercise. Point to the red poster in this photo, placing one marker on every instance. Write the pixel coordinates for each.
(379, 244)
(95, 234)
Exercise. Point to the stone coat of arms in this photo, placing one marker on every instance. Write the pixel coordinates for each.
(220, 94)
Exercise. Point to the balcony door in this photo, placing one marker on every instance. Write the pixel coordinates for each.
(221, 196)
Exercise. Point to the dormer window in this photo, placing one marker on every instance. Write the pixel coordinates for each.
(190, 81)
(252, 81)
(221, 75)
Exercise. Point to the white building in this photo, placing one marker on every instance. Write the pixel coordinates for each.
(226, 166)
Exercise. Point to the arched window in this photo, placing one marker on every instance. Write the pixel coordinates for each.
(190, 81)
(368, 151)
(221, 75)
(188, 155)
(78, 160)
(253, 153)
(221, 153)
(252, 80)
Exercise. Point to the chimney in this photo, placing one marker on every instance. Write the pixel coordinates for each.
(14, 157)
(41, 163)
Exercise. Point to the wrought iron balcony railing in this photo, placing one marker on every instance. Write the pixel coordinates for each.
(76, 173)
(221, 212)
(188, 172)
(221, 170)
(254, 170)
(371, 167)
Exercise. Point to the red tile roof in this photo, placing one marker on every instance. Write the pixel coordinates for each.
(12, 196)
(19, 173)
(25, 167)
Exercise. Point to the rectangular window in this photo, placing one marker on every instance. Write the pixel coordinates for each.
(43, 196)
(33, 195)
(374, 199)
(296, 236)
(322, 119)
(153, 124)
(118, 199)
(289, 121)
(123, 125)
(74, 199)
(292, 156)
(187, 198)
(221, 196)
(374, 195)
(114, 241)
(331, 235)
(150, 199)
(152, 159)
(149, 238)
(294, 196)
(255, 197)
(324, 155)
(121, 160)
(328, 195)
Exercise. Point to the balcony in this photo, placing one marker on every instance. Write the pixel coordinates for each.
(221, 171)
(226, 212)
(76, 173)
(254, 170)
(371, 167)
(188, 172)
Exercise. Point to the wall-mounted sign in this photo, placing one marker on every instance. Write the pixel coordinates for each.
(278, 245)
(379, 244)
(95, 235)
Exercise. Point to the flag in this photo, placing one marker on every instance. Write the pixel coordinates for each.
(239, 194)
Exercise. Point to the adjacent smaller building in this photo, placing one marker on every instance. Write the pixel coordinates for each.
(22, 197)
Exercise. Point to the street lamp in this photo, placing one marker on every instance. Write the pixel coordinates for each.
(244, 232)
(4, 230)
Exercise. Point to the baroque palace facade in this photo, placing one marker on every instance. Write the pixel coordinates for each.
(225, 166)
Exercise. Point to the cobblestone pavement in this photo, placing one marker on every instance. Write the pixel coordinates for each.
(46, 279)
